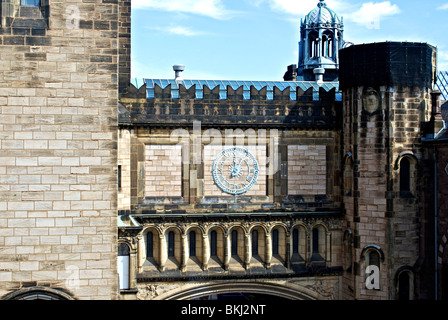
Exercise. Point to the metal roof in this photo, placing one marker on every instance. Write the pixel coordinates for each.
(235, 84)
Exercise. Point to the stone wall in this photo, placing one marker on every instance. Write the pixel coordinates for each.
(58, 128)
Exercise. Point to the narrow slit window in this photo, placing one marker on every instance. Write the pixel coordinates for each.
(171, 244)
(255, 242)
(275, 241)
(192, 244)
(150, 245)
(295, 241)
(405, 175)
(214, 244)
(315, 240)
(234, 243)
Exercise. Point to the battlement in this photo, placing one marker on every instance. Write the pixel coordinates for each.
(231, 89)
(225, 103)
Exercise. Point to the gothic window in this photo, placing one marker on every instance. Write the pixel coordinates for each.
(374, 258)
(275, 241)
(192, 244)
(318, 244)
(30, 3)
(123, 265)
(327, 45)
(255, 242)
(234, 241)
(404, 290)
(214, 243)
(295, 241)
(405, 175)
(150, 245)
(171, 244)
(315, 240)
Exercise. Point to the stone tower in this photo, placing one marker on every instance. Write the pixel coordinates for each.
(387, 91)
(58, 126)
(321, 34)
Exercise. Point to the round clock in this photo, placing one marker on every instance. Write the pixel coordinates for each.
(235, 170)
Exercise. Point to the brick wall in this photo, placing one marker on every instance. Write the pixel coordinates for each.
(58, 128)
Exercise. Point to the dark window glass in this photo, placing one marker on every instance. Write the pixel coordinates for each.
(315, 240)
(171, 244)
(234, 243)
(192, 244)
(254, 242)
(119, 177)
(150, 245)
(214, 243)
(405, 175)
(30, 3)
(374, 258)
(295, 241)
(403, 286)
(123, 250)
(275, 241)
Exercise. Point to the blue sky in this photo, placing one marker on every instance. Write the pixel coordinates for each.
(258, 39)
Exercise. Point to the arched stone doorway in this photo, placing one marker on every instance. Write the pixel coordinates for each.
(242, 291)
(38, 293)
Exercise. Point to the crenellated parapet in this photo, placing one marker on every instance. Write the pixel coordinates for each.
(298, 104)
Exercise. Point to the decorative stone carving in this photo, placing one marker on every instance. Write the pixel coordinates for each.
(370, 100)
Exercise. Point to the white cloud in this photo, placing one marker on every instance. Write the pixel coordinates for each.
(370, 14)
(443, 7)
(179, 30)
(295, 7)
(210, 8)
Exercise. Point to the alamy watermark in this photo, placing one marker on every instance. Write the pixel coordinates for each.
(372, 277)
(262, 139)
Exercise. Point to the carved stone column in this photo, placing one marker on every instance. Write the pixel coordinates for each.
(248, 251)
(141, 256)
(227, 250)
(163, 252)
(268, 254)
(184, 254)
(205, 252)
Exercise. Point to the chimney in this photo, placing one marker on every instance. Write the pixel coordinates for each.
(178, 69)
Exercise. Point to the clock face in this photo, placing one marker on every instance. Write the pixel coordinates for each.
(235, 171)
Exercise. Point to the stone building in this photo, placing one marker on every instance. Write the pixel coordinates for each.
(58, 126)
(328, 202)
(317, 187)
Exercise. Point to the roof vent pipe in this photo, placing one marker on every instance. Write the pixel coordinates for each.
(319, 74)
(178, 69)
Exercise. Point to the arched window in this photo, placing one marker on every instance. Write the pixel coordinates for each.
(192, 244)
(405, 175)
(255, 242)
(374, 258)
(275, 241)
(214, 243)
(295, 241)
(315, 240)
(404, 292)
(150, 245)
(234, 242)
(171, 244)
(123, 265)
